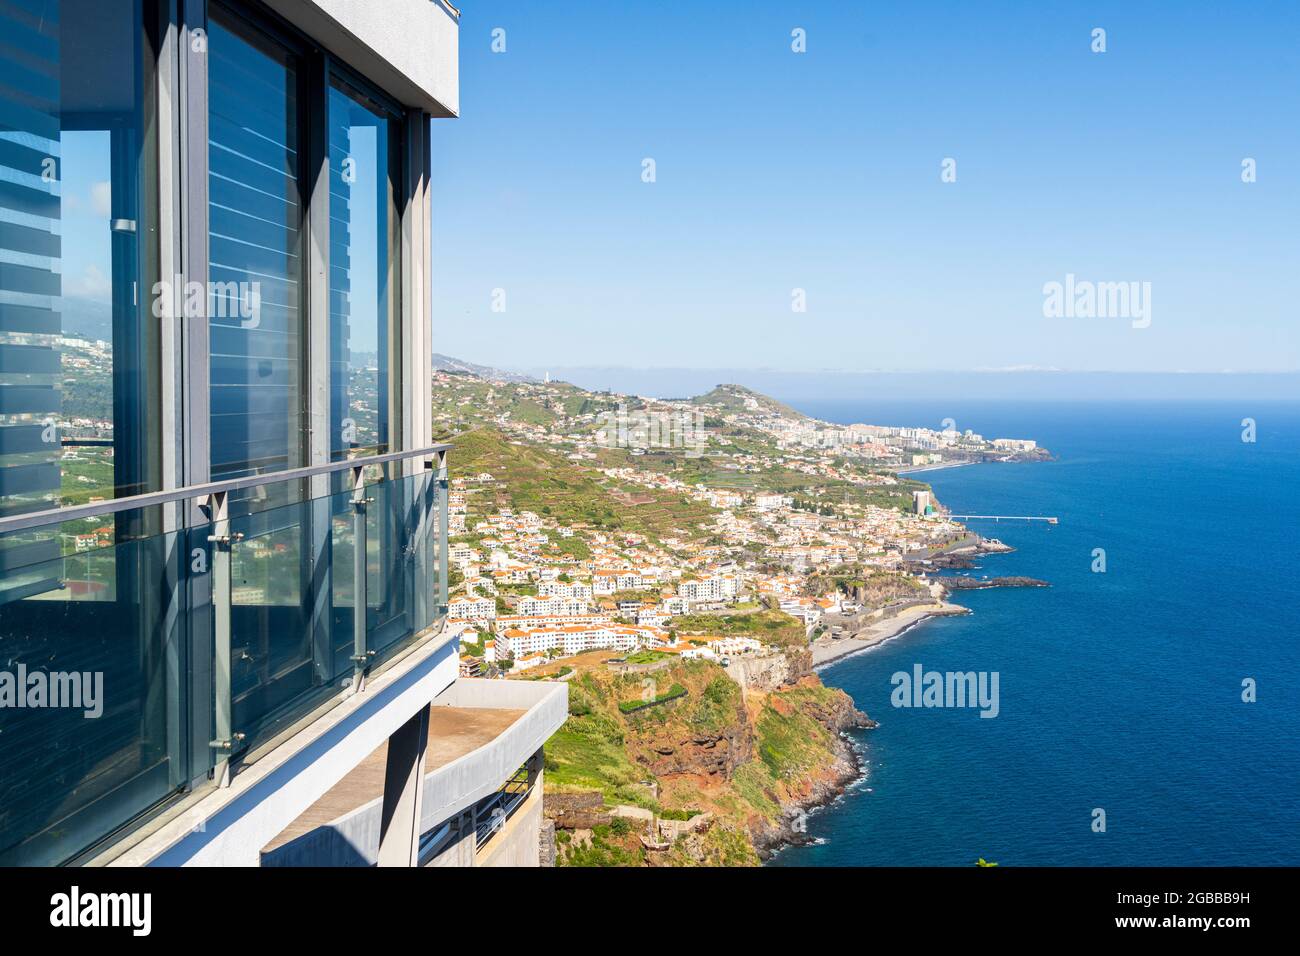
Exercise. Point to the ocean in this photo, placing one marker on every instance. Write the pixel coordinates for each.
(1120, 691)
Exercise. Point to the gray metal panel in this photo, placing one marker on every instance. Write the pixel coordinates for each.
(410, 277)
(426, 299)
(192, 66)
(179, 651)
(170, 216)
(316, 310)
(194, 231)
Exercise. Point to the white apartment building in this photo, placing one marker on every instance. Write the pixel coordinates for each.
(674, 605)
(729, 646)
(511, 622)
(576, 589)
(462, 554)
(472, 608)
(806, 609)
(725, 499)
(571, 640)
(239, 728)
(718, 587)
(551, 606)
(480, 585)
(610, 581)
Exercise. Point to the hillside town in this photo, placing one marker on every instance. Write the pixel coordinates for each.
(763, 514)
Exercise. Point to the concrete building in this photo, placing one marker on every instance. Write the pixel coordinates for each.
(258, 640)
(551, 606)
(472, 608)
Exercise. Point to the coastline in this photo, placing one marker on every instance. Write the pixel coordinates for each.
(825, 650)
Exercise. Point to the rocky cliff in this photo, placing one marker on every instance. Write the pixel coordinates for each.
(752, 760)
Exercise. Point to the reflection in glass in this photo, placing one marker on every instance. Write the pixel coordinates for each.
(78, 343)
(363, 164)
(255, 223)
(78, 765)
(78, 407)
(281, 665)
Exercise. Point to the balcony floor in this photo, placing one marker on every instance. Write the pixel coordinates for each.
(453, 732)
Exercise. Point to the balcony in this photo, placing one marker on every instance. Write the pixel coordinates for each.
(158, 646)
(480, 734)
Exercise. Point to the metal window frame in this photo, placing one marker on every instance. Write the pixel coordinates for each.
(336, 71)
(189, 502)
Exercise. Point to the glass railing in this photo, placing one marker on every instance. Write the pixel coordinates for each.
(138, 662)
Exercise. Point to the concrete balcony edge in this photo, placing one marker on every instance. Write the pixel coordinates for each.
(228, 826)
(463, 782)
(453, 787)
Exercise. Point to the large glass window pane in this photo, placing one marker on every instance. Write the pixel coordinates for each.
(255, 210)
(91, 710)
(78, 239)
(364, 168)
(84, 605)
(256, 214)
(278, 661)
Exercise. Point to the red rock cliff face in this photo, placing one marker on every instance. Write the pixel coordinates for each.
(753, 756)
(837, 714)
(715, 754)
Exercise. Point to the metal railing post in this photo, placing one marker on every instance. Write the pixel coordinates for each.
(426, 547)
(224, 738)
(360, 596)
(443, 527)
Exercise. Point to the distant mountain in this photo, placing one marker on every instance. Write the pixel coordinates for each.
(738, 398)
(445, 363)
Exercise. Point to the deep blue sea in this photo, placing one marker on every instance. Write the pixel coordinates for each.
(1119, 690)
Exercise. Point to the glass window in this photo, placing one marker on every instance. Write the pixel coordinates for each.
(255, 268)
(78, 345)
(364, 162)
(83, 615)
(256, 144)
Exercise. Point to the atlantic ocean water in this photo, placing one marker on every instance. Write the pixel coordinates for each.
(1120, 690)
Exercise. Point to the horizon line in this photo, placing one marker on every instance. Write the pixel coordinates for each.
(1011, 370)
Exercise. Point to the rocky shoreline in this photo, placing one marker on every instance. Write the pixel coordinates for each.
(961, 582)
(962, 558)
(769, 838)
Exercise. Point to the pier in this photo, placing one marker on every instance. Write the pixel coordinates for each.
(1002, 518)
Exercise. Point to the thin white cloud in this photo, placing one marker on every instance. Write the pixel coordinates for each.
(101, 199)
(90, 283)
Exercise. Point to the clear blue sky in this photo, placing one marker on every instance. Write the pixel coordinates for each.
(821, 171)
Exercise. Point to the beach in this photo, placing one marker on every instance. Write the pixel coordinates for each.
(825, 649)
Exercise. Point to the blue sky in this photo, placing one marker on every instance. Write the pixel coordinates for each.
(821, 171)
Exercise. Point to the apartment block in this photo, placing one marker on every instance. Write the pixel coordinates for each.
(223, 521)
(551, 606)
(472, 609)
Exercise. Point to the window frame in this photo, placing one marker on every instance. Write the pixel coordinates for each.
(399, 180)
(249, 17)
(317, 68)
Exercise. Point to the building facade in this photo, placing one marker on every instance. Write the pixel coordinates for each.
(223, 520)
